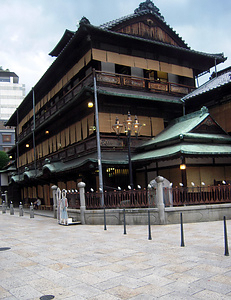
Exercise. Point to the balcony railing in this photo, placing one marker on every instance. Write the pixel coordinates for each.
(142, 83)
(107, 79)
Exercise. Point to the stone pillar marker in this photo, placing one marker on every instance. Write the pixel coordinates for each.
(31, 210)
(20, 209)
(81, 186)
(54, 192)
(6, 198)
(11, 208)
(160, 199)
(3, 207)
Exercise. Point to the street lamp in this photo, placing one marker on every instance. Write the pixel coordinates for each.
(98, 143)
(130, 126)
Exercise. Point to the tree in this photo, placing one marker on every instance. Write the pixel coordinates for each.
(4, 159)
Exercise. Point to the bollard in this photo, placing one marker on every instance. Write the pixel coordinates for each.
(31, 210)
(182, 230)
(124, 223)
(104, 217)
(11, 208)
(226, 238)
(20, 210)
(149, 226)
(3, 207)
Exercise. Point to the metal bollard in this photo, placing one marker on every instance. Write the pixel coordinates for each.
(149, 227)
(182, 230)
(226, 238)
(104, 218)
(125, 232)
(11, 208)
(20, 209)
(3, 207)
(31, 210)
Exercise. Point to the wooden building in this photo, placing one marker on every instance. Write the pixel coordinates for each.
(191, 150)
(139, 64)
(216, 96)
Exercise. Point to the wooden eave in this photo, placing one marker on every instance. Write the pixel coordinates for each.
(88, 35)
(62, 43)
(78, 46)
(156, 50)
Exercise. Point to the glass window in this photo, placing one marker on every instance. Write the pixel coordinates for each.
(6, 138)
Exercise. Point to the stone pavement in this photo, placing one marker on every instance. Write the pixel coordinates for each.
(50, 261)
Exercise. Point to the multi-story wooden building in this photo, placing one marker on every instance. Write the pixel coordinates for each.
(139, 64)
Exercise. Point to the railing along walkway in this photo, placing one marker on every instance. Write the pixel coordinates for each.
(201, 195)
(179, 196)
(118, 199)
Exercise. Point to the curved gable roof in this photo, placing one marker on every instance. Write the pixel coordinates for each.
(146, 21)
(62, 43)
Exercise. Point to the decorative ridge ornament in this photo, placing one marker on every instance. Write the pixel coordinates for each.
(148, 6)
(84, 21)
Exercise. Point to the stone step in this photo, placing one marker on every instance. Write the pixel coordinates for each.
(70, 222)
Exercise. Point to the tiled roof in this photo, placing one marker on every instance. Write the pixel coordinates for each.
(178, 139)
(139, 12)
(179, 126)
(182, 128)
(183, 149)
(220, 80)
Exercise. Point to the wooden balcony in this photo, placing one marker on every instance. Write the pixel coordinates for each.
(106, 79)
(145, 84)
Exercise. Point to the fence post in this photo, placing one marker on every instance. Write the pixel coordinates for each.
(81, 186)
(54, 193)
(160, 199)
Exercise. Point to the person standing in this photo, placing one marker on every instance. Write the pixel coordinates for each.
(64, 206)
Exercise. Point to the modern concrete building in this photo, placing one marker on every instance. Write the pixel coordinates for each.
(11, 93)
(7, 137)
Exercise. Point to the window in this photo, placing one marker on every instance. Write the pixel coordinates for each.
(6, 149)
(119, 69)
(6, 138)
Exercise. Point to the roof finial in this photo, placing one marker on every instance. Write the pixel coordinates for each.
(148, 6)
(84, 21)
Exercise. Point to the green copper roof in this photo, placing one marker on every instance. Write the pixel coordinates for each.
(187, 136)
(183, 148)
(182, 128)
(179, 126)
(138, 95)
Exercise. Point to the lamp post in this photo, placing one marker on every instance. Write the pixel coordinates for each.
(98, 143)
(130, 126)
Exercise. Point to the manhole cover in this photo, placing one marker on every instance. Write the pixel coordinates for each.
(5, 248)
(47, 297)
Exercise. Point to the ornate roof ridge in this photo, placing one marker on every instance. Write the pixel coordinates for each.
(148, 6)
(144, 8)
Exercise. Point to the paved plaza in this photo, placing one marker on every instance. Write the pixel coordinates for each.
(47, 260)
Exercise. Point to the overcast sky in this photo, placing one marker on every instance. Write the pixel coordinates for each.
(29, 29)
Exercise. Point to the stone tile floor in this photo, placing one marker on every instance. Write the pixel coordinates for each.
(87, 262)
